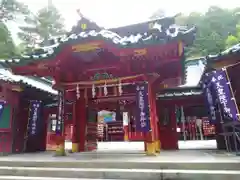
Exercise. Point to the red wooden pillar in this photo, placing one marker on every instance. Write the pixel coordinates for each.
(151, 141)
(75, 139)
(46, 121)
(126, 136)
(81, 118)
(155, 119)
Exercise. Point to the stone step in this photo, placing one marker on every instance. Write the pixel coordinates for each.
(138, 174)
(126, 165)
(42, 178)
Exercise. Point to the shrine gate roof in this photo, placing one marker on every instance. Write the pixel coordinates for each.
(228, 53)
(180, 92)
(194, 69)
(159, 31)
(33, 82)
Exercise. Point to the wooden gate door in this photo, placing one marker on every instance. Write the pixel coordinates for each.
(37, 142)
(168, 127)
(91, 130)
(20, 121)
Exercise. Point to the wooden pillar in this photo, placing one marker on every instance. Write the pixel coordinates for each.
(172, 131)
(75, 139)
(220, 139)
(156, 128)
(81, 118)
(152, 140)
(126, 125)
(118, 112)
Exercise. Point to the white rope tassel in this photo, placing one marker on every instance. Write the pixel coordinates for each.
(105, 91)
(93, 91)
(120, 88)
(78, 94)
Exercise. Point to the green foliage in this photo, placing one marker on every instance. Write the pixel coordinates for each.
(9, 10)
(213, 29)
(4, 33)
(47, 23)
(231, 40)
(7, 46)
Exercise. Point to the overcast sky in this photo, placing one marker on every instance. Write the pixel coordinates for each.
(113, 13)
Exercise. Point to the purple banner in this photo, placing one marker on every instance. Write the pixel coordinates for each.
(33, 121)
(224, 93)
(210, 94)
(2, 105)
(60, 118)
(143, 112)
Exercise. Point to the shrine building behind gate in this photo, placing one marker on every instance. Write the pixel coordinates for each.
(23, 116)
(117, 69)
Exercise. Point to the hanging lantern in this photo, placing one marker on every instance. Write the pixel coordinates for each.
(93, 91)
(78, 94)
(120, 88)
(105, 91)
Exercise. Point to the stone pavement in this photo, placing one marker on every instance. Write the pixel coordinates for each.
(178, 156)
(183, 164)
(122, 163)
(139, 146)
(42, 178)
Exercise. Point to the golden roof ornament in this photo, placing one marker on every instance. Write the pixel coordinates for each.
(84, 25)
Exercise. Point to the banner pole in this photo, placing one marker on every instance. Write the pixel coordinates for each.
(27, 129)
(230, 86)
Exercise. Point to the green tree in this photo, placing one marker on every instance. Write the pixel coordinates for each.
(7, 46)
(233, 39)
(10, 10)
(213, 28)
(47, 23)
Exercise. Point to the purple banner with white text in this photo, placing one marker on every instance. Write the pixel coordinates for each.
(34, 118)
(60, 115)
(210, 98)
(224, 94)
(143, 111)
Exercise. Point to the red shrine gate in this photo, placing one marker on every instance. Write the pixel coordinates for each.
(93, 65)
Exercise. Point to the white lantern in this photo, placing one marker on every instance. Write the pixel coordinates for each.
(120, 88)
(78, 94)
(105, 91)
(93, 91)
